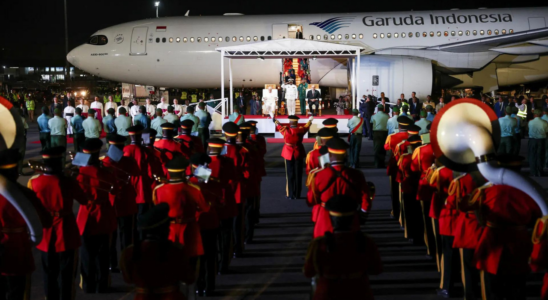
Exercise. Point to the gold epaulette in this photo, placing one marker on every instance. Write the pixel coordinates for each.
(312, 177)
(398, 147)
(434, 178)
(416, 153)
(388, 140)
(29, 184)
(307, 158)
(154, 200)
(539, 236)
(454, 187)
(401, 158)
(477, 198)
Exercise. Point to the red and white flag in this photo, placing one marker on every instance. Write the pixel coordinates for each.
(161, 28)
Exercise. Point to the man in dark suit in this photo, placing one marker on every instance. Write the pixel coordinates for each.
(382, 97)
(313, 97)
(299, 34)
(55, 104)
(241, 103)
(500, 107)
(414, 108)
(367, 109)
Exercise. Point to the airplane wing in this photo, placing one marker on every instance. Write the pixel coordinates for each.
(490, 42)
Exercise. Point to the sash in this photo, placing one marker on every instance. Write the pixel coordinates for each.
(69, 115)
(84, 115)
(176, 112)
(359, 125)
(237, 119)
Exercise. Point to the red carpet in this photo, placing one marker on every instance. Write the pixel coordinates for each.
(71, 140)
(251, 117)
(280, 141)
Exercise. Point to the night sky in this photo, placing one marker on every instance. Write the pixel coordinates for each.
(33, 31)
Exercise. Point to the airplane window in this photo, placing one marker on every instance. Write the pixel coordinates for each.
(374, 35)
(388, 35)
(489, 32)
(192, 40)
(460, 32)
(361, 36)
(353, 36)
(424, 34)
(403, 34)
(213, 39)
(311, 37)
(163, 40)
(206, 40)
(255, 38)
(504, 31)
(339, 36)
(227, 39)
(346, 36)
(234, 39)
(410, 34)
(382, 35)
(418, 34)
(318, 37)
(241, 39)
(178, 40)
(157, 40)
(445, 33)
(332, 36)
(102, 40)
(199, 40)
(467, 32)
(475, 32)
(452, 33)
(93, 40)
(481, 32)
(185, 40)
(248, 39)
(325, 37)
(431, 33)
(171, 40)
(496, 31)
(511, 31)
(439, 33)
(396, 35)
(269, 38)
(262, 38)
(219, 39)
(98, 40)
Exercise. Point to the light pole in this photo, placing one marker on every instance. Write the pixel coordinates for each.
(67, 66)
(157, 3)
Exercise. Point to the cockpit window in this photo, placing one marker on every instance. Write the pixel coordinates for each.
(98, 40)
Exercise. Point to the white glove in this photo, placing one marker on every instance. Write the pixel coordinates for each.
(271, 115)
(311, 118)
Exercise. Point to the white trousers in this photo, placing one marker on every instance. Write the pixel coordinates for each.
(290, 107)
(69, 127)
(269, 107)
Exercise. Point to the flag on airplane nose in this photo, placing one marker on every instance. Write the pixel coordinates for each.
(161, 28)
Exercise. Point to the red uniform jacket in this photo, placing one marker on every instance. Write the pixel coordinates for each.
(169, 148)
(156, 276)
(312, 160)
(191, 144)
(222, 173)
(185, 205)
(410, 179)
(342, 272)
(238, 155)
(390, 144)
(293, 138)
(98, 216)
(139, 170)
(256, 168)
(331, 181)
(423, 159)
(213, 195)
(57, 195)
(400, 150)
(539, 255)
(505, 245)
(441, 180)
(466, 229)
(123, 201)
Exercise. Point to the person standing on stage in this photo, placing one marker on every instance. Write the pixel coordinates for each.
(313, 97)
(61, 241)
(110, 104)
(150, 109)
(68, 114)
(291, 94)
(355, 129)
(98, 107)
(379, 128)
(293, 152)
(270, 98)
(92, 126)
(84, 108)
(163, 105)
(178, 109)
(134, 109)
(303, 86)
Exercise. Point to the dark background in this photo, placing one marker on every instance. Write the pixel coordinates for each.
(33, 30)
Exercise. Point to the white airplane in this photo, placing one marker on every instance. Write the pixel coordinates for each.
(402, 51)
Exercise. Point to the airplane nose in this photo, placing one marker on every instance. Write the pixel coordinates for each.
(74, 56)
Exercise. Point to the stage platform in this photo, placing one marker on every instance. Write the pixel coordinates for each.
(265, 124)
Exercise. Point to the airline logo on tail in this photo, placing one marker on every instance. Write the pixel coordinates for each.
(334, 24)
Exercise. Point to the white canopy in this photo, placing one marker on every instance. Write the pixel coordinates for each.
(289, 48)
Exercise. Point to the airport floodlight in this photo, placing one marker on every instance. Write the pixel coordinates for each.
(157, 3)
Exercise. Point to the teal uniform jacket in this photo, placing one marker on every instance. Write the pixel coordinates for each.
(57, 126)
(354, 122)
(537, 128)
(194, 119)
(234, 116)
(122, 124)
(380, 121)
(92, 127)
(392, 125)
(507, 126)
(156, 124)
(423, 123)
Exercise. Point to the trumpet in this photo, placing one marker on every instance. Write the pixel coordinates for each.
(159, 178)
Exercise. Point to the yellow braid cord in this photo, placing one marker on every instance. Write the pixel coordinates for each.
(417, 152)
(154, 198)
(388, 140)
(538, 237)
(400, 160)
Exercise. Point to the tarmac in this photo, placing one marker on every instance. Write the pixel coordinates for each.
(271, 267)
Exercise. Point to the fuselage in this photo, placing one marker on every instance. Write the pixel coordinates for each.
(180, 51)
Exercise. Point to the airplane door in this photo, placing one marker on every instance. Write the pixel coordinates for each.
(279, 31)
(139, 41)
(536, 23)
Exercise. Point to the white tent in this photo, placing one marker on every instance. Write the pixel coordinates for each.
(290, 48)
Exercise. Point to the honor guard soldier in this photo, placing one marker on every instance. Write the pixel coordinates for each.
(414, 226)
(241, 165)
(123, 202)
(222, 173)
(186, 203)
(17, 261)
(293, 153)
(61, 241)
(212, 191)
(337, 179)
(167, 146)
(330, 123)
(342, 260)
(236, 117)
(96, 220)
(379, 122)
(508, 127)
(312, 158)
(156, 167)
(502, 252)
(260, 142)
(139, 170)
(355, 128)
(467, 230)
(189, 144)
(155, 264)
(391, 143)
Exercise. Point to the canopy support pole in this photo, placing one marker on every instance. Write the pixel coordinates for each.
(223, 77)
(231, 86)
(358, 78)
(354, 82)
